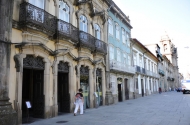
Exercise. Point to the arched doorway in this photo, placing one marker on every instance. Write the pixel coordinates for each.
(99, 86)
(119, 86)
(63, 96)
(84, 84)
(126, 90)
(33, 86)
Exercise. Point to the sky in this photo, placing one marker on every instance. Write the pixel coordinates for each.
(152, 19)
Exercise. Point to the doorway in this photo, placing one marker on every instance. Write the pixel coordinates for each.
(126, 90)
(32, 90)
(142, 87)
(84, 85)
(99, 98)
(119, 93)
(63, 96)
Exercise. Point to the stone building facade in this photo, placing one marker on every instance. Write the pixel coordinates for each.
(120, 66)
(58, 47)
(146, 77)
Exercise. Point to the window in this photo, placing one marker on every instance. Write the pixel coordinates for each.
(118, 55)
(152, 67)
(148, 64)
(165, 47)
(110, 26)
(129, 60)
(124, 58)
(135, 59)
(140, 60)
(97, 31)
(127, 39)
(38, 3)
(37, 14)
(111, 52)
(117, 32)
(137, 83)
(123, 36)
(63, 11)
(83, 23)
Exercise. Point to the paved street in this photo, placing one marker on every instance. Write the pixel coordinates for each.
(169, 108)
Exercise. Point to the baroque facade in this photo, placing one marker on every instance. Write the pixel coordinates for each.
(58, 47)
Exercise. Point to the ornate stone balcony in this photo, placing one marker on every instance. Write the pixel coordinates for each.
(120, 67)
(100, 46)
(67, 31)
(86, 40)
(36, 18)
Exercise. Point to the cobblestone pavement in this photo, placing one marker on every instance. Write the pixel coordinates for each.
(169, 108)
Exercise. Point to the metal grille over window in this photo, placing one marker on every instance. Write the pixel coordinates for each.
(84, 71)
(33, 62)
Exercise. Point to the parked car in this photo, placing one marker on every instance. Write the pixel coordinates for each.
(179, 89)
(185, 86)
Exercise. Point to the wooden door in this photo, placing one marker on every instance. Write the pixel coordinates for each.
(63, 92)
(38, 94)
(126, 90)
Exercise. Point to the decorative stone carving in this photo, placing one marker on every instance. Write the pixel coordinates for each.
(17, 60)
(63, 67)
(84, 71)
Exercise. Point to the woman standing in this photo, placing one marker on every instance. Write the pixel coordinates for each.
(79, 100)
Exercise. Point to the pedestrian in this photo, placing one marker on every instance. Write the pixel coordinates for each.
(79, 100)
(160, 90)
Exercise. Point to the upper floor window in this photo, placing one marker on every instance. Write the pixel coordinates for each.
(129, 60)
(165, 47)
(140, 60)
(97, 31)
(117, 31)
(110, 26)
(124, 58)
(148, 64)
(152, 67)
(63, 11)
(38, 3)
(37, 14)
(135, 59)
(127, 40)
(123, 36)
(83, 23)
(111, 52)
(118, 55)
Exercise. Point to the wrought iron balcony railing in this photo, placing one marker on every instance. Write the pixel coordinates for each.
(86, 40)
(100, 46)
(143, 70)
(67, 30)
(36, 18)
(138, 69)
(120, 67)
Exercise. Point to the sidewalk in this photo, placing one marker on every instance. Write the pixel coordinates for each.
(168, 108)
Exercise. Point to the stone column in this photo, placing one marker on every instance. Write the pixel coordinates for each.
(91, 88)
(7, 115)
(72, 87)
(55, 106)
(18, 58)
(103, 86)
(47, 113)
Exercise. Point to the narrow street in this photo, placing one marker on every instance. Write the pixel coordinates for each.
(169, 108)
